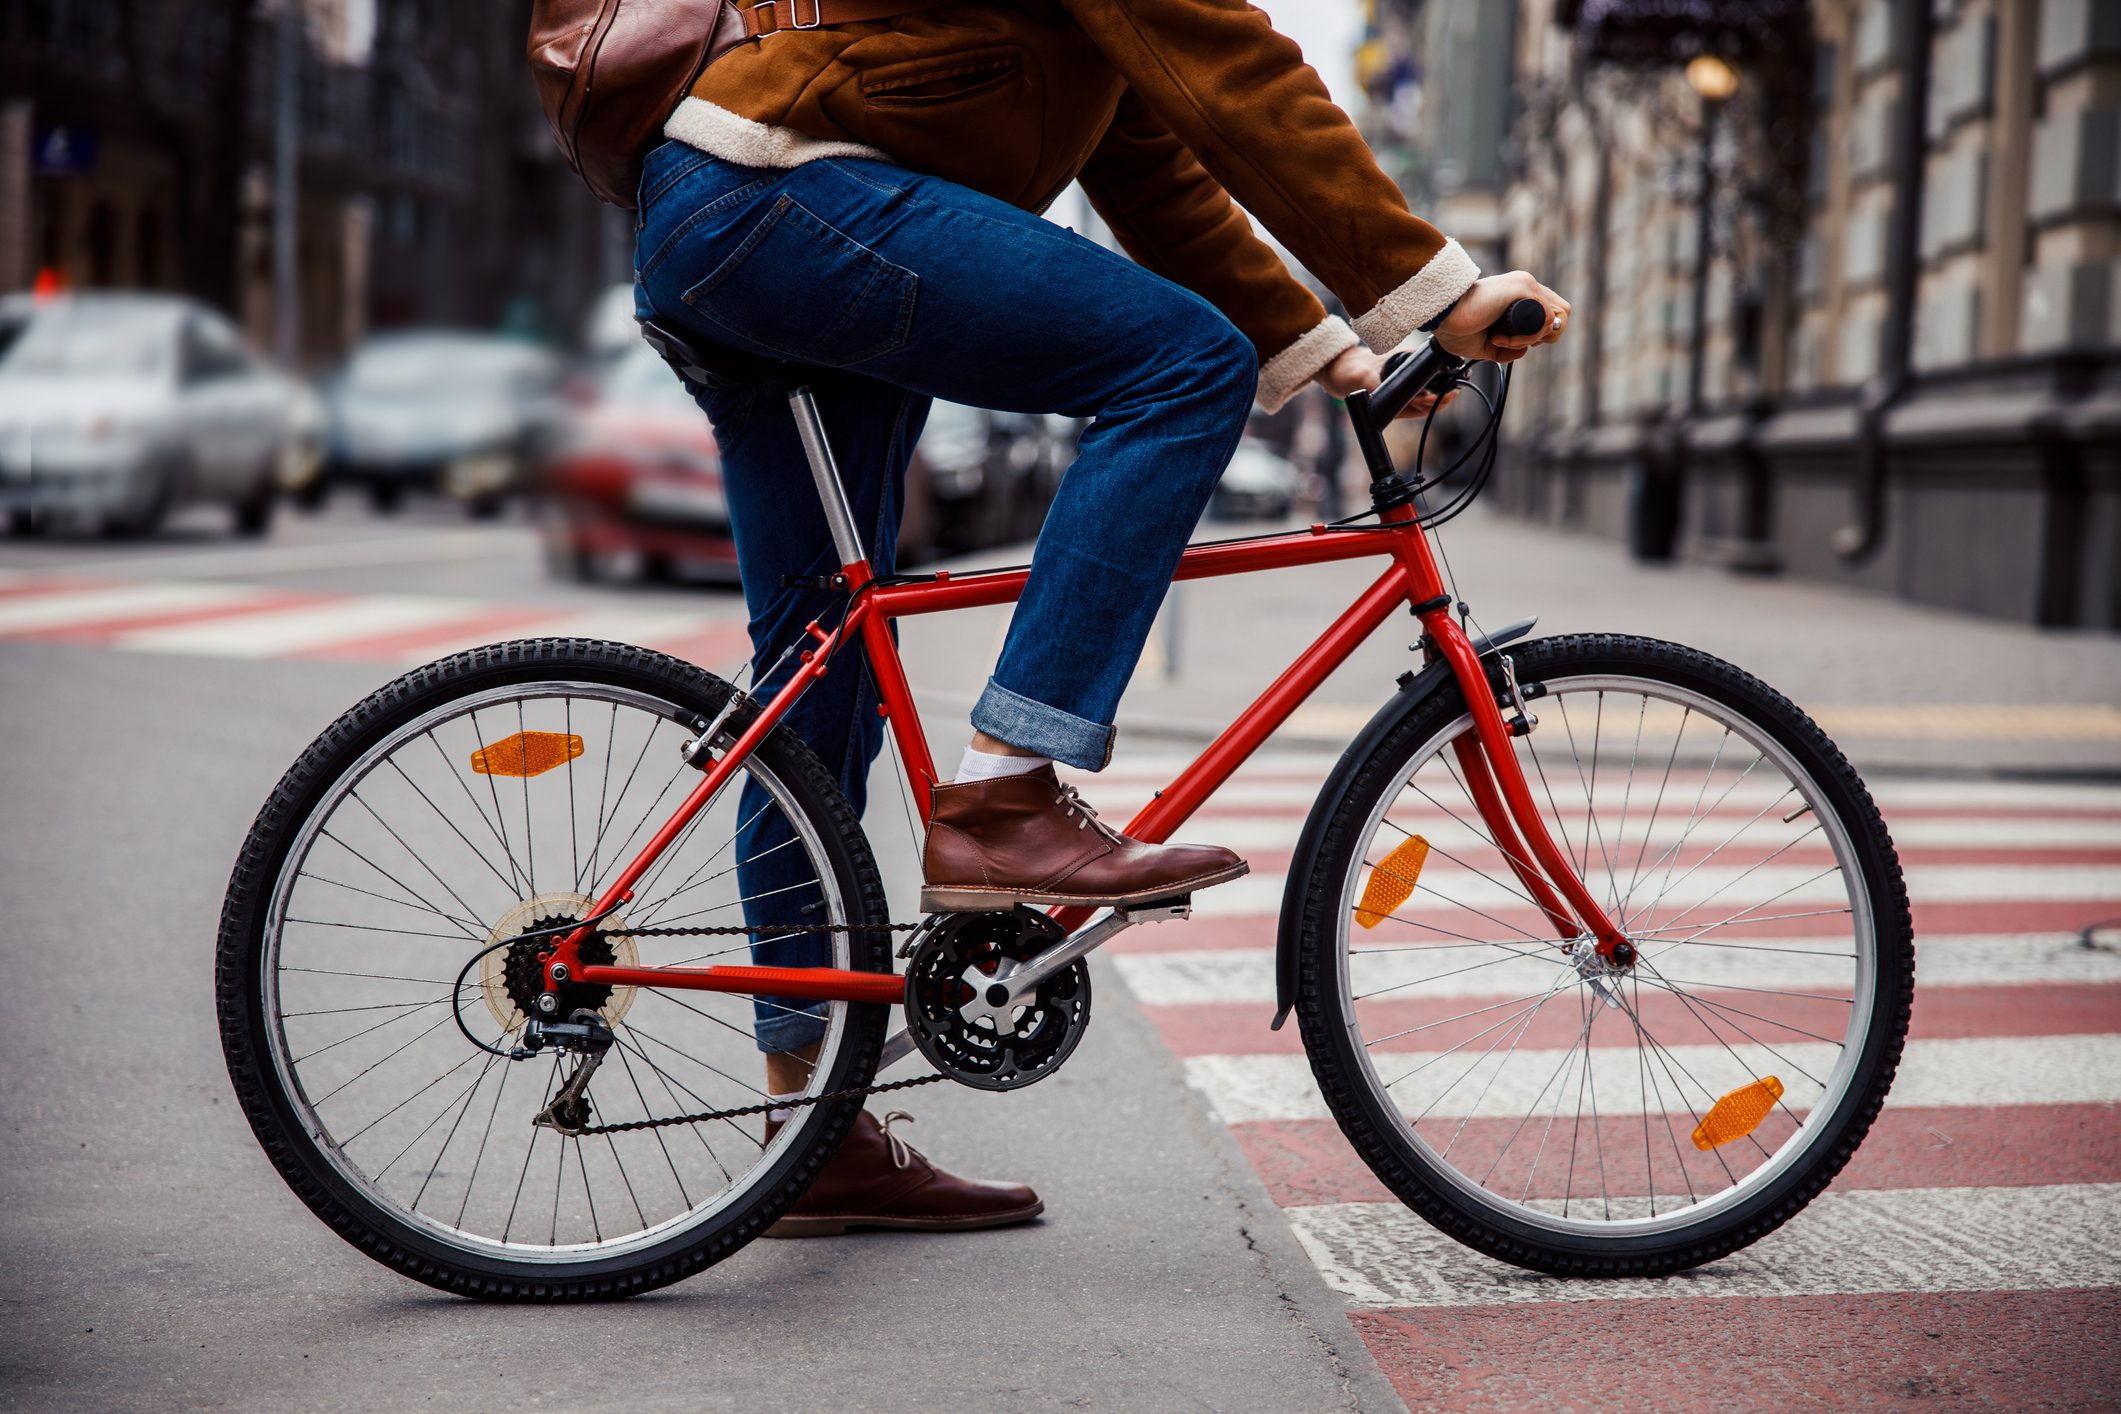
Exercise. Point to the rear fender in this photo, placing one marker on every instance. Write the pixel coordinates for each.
(1415, 688)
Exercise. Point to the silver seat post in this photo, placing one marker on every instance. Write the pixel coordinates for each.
(839, 515)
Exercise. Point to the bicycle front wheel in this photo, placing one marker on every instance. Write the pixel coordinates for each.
(1537, 1104)
(450, 821)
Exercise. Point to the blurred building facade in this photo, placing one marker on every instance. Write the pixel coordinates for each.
(138, 143)
(1858, 320)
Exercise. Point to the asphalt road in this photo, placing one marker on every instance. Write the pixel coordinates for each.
(157, 1261)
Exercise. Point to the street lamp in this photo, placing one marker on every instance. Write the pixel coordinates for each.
(1715, 80)
(1711, 77)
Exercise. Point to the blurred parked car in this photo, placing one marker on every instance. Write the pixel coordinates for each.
(630, 479)
(609, 331)
(987, 477)
(15, 311)
(116, 409)
(1259, 484)
(437, 410)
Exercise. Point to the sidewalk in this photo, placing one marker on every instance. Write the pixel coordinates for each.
(1899, 686)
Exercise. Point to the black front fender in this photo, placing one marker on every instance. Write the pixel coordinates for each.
(1414, 689)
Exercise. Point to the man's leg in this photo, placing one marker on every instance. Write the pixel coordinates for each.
(928, 286)
(781, 531)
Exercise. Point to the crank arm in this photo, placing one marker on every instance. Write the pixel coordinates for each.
(896, 1048)
(1084, 941)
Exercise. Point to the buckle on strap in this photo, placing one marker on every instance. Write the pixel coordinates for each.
(763, 17)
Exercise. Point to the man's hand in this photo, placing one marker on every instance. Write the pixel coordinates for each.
(1465, 331)
(1359, 368)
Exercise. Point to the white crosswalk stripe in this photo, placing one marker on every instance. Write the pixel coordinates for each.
(275, 633)
(1910, 1239)
(1985, 1070)
(209, 619)
(1246, 975)
(85, 609)
(1800, 885)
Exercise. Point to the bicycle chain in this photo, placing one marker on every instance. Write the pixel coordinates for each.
(772, 930)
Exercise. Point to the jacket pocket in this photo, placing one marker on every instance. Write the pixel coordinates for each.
(809, 292)
(913, 86)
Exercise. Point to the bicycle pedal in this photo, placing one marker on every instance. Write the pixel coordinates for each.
(1161, 910)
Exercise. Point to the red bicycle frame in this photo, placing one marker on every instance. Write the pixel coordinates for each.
(1493, 776)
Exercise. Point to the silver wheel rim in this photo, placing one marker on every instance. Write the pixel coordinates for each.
(658, 1084)
(1825, 1088)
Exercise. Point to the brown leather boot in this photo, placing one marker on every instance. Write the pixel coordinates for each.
(1029, 839)
(879, 1180)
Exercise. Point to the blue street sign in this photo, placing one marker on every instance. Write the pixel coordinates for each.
(63, 150)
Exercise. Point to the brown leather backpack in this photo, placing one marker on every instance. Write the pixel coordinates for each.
(610, 72)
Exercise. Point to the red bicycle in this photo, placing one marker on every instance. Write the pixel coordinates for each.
(1599, 949)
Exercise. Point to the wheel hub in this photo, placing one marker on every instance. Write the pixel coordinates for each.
(512, 978)
(1599, 971)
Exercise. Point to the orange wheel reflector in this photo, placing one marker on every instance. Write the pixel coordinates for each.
(1392, 882)
(526, 754)
(1737, 1114)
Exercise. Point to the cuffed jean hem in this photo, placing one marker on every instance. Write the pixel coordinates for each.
(1049, 731)
(790, 1030)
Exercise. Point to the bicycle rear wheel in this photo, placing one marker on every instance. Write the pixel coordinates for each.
(1547, 1110)
(466, 804)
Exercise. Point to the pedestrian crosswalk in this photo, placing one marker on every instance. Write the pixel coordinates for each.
(218, 620)
(1990, 1186)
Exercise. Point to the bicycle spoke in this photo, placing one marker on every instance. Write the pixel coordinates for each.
(500, 820)
(469, 1096)
(480, 854)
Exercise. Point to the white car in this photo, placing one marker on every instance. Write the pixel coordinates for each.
(115, 409)
(438, 409)
(1259, 484)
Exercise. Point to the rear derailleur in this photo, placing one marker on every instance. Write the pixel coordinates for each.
(584, 1033)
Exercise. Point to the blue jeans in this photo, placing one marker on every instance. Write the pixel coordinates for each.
(898, 288)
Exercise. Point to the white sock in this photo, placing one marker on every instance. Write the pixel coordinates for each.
(987, 766)
(779, 1114)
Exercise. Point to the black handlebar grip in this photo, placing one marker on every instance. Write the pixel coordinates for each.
(1526, 316)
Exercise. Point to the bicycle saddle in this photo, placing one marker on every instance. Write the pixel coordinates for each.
(714, 365)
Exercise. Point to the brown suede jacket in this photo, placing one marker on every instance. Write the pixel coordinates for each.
(1174, 114)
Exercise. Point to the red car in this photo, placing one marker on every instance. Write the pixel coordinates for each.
(632, 482)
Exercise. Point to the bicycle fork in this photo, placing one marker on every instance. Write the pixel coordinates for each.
(1496, 781)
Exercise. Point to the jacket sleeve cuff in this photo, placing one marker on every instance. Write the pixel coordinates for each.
(1281, 376)
(1432, 290)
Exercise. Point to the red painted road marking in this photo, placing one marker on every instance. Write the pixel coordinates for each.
(1465, 863)
(1258, 930)
(488, 625)
(2038, 1009)
(99, 632)
(717, 648)
(19, 588)
(1305, 1162)
(1986, 1349)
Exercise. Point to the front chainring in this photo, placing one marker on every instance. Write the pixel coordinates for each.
(977, 1045)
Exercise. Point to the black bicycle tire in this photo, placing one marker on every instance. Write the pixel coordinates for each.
(1376, 1135)
(240, 1003)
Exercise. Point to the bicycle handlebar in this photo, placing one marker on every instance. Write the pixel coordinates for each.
(1410, 375)
(1407, 376)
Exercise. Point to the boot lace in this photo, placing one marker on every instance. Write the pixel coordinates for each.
(902, 1153)
(1073, 803)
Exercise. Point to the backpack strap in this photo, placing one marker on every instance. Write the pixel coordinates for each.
(772, 16)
